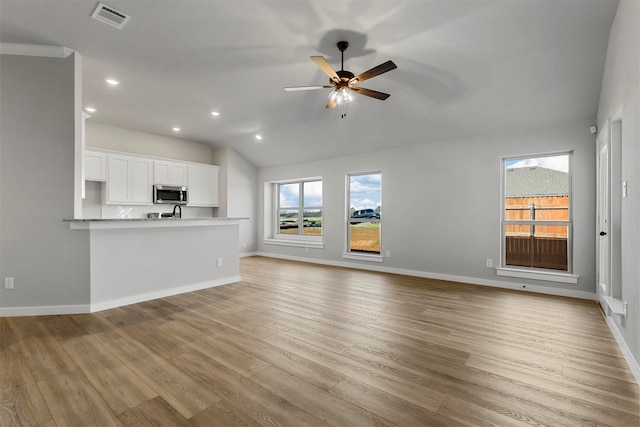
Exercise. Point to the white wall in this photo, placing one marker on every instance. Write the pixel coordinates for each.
(239, 194)
(100, 135)
(441, 205)
(620, 100)
(40, 116)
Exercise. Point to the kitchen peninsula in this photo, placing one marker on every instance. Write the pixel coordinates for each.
(139, 259)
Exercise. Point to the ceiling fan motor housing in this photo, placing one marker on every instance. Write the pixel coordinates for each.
(344, 75)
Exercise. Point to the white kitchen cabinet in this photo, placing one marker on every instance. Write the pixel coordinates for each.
(202, 185)
(129, 180)
(169, 173)
(95, 166)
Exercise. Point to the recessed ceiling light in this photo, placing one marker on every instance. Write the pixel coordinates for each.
(258, 137)
(215, 113)
(90, 109)
(176, 129)
(112, 82)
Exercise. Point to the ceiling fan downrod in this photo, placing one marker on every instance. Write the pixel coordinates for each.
(342, 46)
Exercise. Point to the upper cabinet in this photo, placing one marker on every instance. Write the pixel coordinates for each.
(202, 185)
(95, 166)
(129, 180)
(169, 173)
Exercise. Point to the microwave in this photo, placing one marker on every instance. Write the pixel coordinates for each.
(169, 194)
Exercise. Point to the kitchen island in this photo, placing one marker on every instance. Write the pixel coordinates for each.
(139, 259)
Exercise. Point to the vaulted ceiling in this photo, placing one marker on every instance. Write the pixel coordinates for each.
(465, 68)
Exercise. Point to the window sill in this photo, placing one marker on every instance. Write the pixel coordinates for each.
(363, 257)
(298, 243)
(549, 276)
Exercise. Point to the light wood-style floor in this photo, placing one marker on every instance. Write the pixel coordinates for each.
(298, 344)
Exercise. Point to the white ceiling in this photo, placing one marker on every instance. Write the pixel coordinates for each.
(465, 68)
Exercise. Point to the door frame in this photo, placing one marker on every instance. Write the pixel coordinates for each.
(603, 209)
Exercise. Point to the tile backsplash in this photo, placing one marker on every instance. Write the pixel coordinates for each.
(92, 207)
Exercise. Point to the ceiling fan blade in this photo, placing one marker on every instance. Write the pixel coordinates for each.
(368, 92)
(324, 65)
(297, 88)
(331, 104)
(375, 71)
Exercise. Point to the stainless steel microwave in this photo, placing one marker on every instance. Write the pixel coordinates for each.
(169, 194)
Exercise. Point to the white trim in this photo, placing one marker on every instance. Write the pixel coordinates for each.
(148, 296)
(463, 279)
(634, 367)
(298, 243)
(293, 181)
(538, 275)
(569, 223)
(247, 254)
(617, 306)
(44, 310)
(363, 257)
(35, 50)
(134, 299)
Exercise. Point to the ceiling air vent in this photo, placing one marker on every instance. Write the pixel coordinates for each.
(109, 15)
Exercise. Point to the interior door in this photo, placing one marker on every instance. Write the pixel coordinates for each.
(604, 214)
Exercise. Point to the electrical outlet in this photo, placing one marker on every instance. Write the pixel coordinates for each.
(388, 254)
(488, 262)
(8, 282)
(219, 262)
(624, 189)
(244, 245)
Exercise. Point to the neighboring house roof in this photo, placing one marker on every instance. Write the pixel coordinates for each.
(535, 181)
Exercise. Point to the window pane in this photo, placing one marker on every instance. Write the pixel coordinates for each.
(312, 222)
(312, 194)
(289, 221)
(289, 195)
(365, 212)
(537, 246)
(537, 189)
(365, 237)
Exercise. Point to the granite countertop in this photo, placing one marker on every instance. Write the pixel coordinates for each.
(150, 219)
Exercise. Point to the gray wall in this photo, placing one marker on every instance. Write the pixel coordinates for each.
(441, 204)
(50, 262)
(620, 100)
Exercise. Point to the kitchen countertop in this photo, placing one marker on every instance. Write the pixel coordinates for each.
(107, 223)
(151, 219)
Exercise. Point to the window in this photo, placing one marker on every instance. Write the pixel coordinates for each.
(536, 213)
(300, 208)
(364, 213)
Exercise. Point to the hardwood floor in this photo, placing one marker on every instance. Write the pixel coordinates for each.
(298, 344)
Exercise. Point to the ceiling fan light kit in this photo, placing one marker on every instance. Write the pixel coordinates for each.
(344, 82)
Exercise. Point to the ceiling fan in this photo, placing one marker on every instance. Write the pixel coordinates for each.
(343, 82)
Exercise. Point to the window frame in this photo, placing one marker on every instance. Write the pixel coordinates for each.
(299, 239)
(538, 273)
(356, 255)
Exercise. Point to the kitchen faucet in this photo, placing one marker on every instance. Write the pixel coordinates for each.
(179, 211)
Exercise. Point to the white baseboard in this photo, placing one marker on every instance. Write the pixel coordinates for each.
(634, 367)
(247, 254)
(133, 299)
(148, 296)
(44, 310)
(453, 278)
